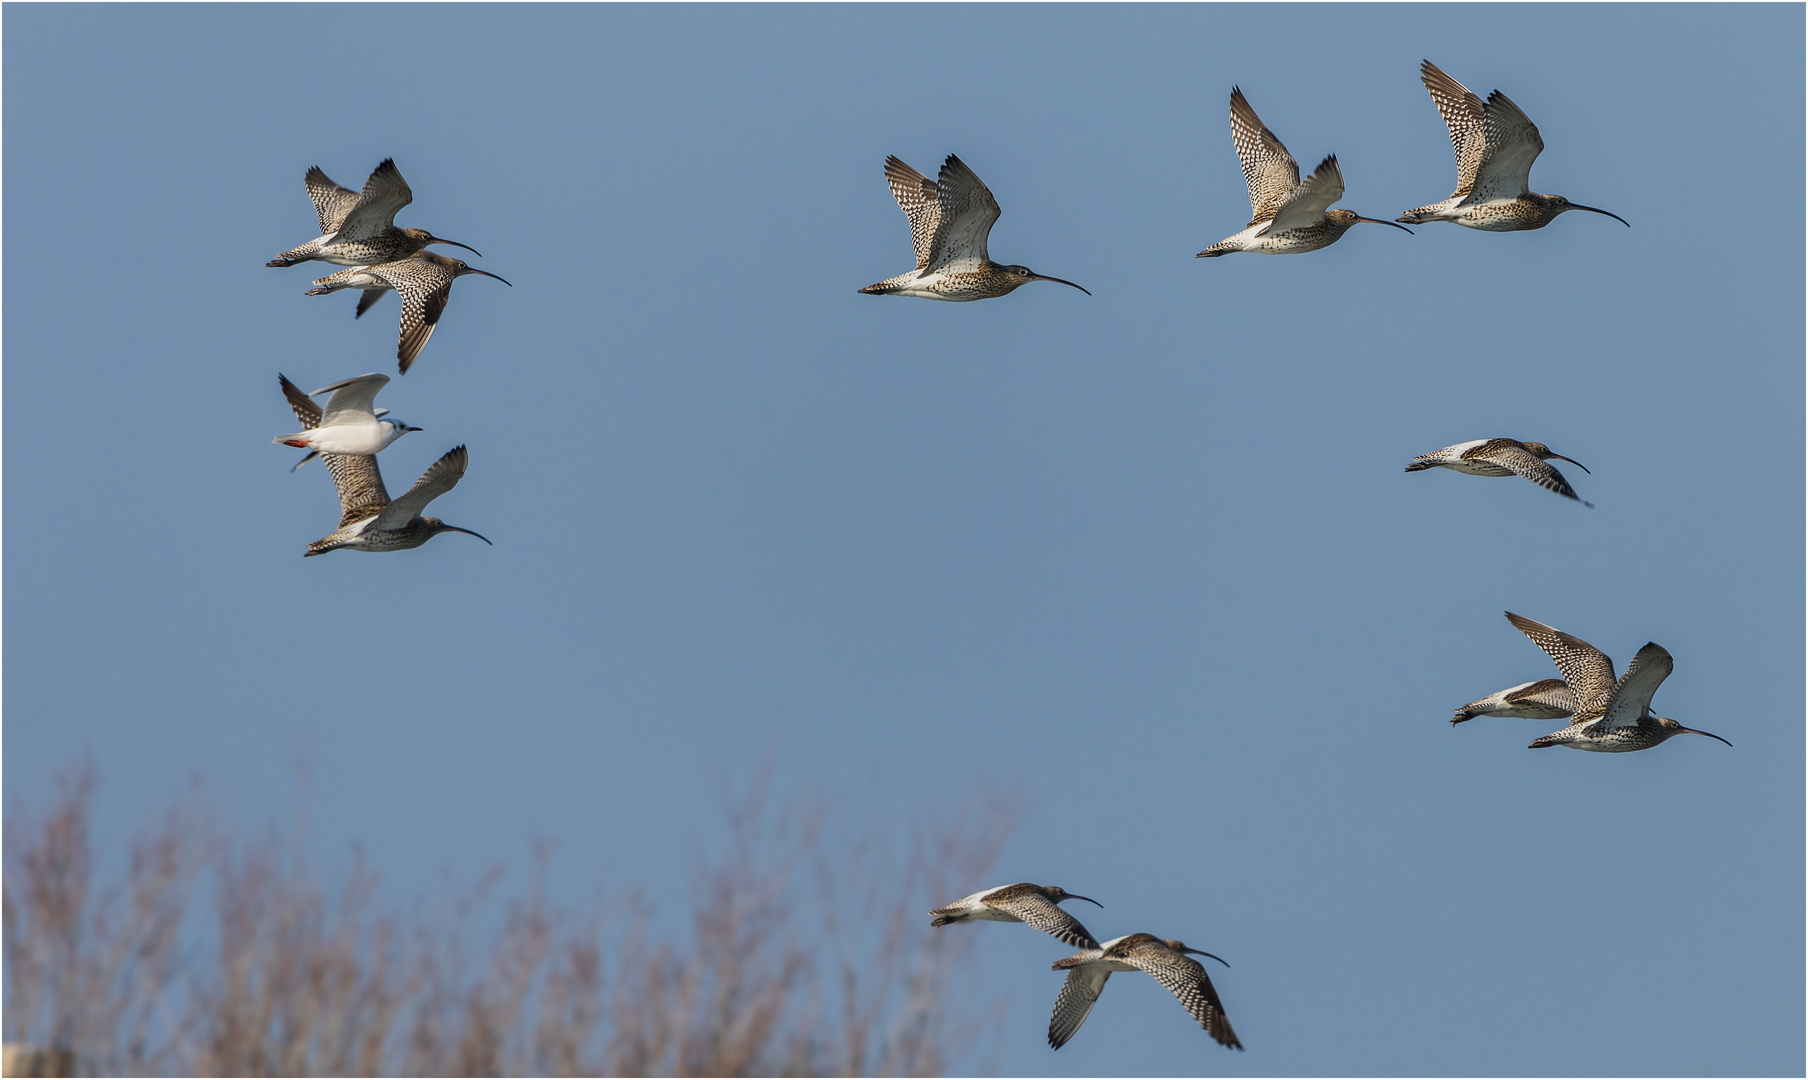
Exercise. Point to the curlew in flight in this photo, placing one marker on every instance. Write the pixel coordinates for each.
(358, 229)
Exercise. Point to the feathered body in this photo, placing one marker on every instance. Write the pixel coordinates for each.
(1544, 699)
(1503, 457)
(1165, 959)
(1023, 902)
(424, 282)
(358, 228)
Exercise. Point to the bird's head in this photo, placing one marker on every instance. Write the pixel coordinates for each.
(401, 428)
(1557, 204)
(1671, 727)
(1343, 219)
(1027, 275)
(435, 526)
(1058, 894)
(1546, 453)
(423, 238)
(1181, 947)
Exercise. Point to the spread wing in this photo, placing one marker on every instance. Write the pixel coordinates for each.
(968, 212)
(1462, 112)
(1268, 168)
(384, 193)
(1523, 462)
(331, 202)
(354, 400)
(1078, 995)
(1308, 202)
(1552, 694)
(916, 195)
(424, 287)
(305, 410)
(367, 298)
(441, 476)
(1587, 670)
(1510, 145)
(360, 485)
(1186, 979)
(1047, 916)
(1632, 695)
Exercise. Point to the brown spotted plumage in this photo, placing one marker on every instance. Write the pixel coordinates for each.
(423, 281)
(1166, 960)
(1503, 457)
(358, 228)
(1545, 699)
(1025, 903)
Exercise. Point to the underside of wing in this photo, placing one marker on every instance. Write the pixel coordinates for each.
(441, 476)
(1553, 694)
(1510, 144)
(916, 195)
(1047, 916)
(384, 194)
(1462, 112)
(1587, 670)
(331, 202)
(423, 302)
(360, 486)
(1308, 203)
(1523, 462)
(1186, 979)
(1268, 169)
(1078, 995)
(968, 212)
(1632, 696)
(367, 299)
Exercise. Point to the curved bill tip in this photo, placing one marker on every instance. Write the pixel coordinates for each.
(467, 532)
(1088, 899)
(1574, 462)
(1202, 952)
(486, 273)
(1063, 281)
(454, 243)
(1378, 221)
(1598, 210)
(1709, 734)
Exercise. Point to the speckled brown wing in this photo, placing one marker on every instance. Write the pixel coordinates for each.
(968, 212)
(384, 194)
(1463, 113)
(1185, 977)
(916, 195)
(1552, 695)
(1268, 169)
(1047, 916)
(1587, 670)
(1074, 1003)
(331, 202)
(1517, 459)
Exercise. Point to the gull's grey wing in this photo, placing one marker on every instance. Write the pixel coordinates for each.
(916, 195)
(968, 212)
(331, 202)
(441, 476)
(1309, 201)
(1587, 670)
(353, 399)
(1078, 995)
(1268, 168)
(384, 194)
(1462, 112)
(1632, 695)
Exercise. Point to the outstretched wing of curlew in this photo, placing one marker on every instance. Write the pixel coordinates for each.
(384, 194)
(1587, 670)
(1462, 112)
(1308, 203)
(1523, 462)
(1633, 693)
(1510, 144)
(916, 195)
(1074, 1004)
(1268, 169)
(1186, 979)
(1047, 916)
(331, 202)
(968, 212)
(441, 476)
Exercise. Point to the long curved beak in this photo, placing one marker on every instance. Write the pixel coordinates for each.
(1063, 281)
(1088, 899)
(1378, 221)
(1598, 210)
(454, 243)
(486, 273)
(1709, 734)
(467, 532)
(1573, 461)
(1202, 952)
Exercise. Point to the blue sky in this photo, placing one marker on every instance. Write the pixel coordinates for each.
(1148, 556)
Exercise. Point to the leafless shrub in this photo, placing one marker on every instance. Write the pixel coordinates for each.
(802, 951)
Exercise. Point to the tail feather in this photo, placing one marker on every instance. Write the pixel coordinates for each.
(1419, 466)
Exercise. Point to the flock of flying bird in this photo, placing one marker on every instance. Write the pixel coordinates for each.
(951, 219)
